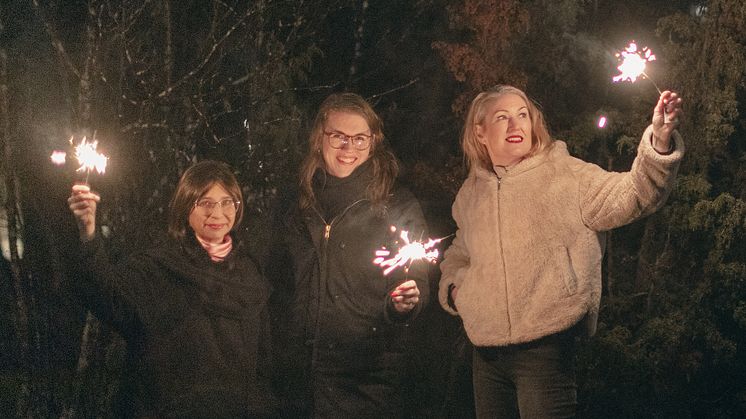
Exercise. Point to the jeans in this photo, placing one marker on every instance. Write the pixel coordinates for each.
(529, 380)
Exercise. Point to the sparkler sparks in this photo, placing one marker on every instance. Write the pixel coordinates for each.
(58, 157)
(88, 158)
(410, 252)
(601, 122)
(633, 64)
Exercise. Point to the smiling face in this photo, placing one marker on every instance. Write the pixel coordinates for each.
(340, 162)
(506, 130)
(211, 225)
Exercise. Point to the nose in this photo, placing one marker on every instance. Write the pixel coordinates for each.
(347, 144)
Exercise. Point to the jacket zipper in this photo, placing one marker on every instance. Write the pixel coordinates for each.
(323, 273)
(502, 256)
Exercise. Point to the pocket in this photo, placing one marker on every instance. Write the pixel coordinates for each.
(565, 269)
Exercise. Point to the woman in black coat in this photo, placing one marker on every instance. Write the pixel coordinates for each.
(345, 322)
(193, 310)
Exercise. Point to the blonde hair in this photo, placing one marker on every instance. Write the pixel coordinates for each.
(475, 153)
(385, 167)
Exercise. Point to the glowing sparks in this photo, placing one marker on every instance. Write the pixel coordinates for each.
(58, 157)
(602, 122)
(410, 252)
(88, 158)
(633, 62)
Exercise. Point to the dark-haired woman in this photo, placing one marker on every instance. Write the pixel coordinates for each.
(193, 310)
(346, 322)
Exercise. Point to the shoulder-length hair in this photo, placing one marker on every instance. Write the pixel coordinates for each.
(194, 183)
(385, 167)
(475, 152)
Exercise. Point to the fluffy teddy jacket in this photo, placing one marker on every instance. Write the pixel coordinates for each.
(526, 259)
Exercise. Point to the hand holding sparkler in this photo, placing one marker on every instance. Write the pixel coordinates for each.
(405, 297)
(665, 119)
(82, 203)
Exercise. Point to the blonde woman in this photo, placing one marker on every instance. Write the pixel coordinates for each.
(524, 271)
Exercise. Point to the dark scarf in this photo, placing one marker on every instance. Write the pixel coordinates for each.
(334, 194)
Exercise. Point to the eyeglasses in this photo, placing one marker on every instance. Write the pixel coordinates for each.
(339, 140)
(228, 205)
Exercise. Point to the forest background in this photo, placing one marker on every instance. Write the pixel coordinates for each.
(164, 83)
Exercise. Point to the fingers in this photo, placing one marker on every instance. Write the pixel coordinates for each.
(670, 105)
(405, 296)
(82, 196)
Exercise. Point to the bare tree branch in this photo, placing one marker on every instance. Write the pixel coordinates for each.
(62, 54)
(208, 57)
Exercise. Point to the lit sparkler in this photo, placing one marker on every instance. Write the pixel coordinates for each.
(87, 156)
(633, 61)
(410, 252)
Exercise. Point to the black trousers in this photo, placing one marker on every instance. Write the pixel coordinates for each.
(531, 380)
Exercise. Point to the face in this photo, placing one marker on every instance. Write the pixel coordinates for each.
(506, 130)
(212, 225)
(340, 162)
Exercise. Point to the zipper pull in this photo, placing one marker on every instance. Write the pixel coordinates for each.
(327, 228)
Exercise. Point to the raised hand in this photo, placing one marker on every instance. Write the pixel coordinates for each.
(666, 116)
(82, 203)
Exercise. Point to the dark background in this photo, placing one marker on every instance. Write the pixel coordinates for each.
(164, 83)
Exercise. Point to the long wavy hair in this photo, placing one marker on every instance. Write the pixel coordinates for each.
(194, 183)
(475, 152)
(384, 165)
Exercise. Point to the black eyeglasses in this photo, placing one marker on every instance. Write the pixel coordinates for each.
(338, 140)
(228, 206)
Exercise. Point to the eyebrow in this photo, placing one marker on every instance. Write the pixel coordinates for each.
(505, 110)
(349, 135)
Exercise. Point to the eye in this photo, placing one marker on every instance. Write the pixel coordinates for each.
(226, 203)
(337, 136)
(206, 204)
(523, 114)
(502, 117)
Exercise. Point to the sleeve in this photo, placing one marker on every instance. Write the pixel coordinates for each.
(409, 216)
(610, 200)
(455, 262)
(102, 288)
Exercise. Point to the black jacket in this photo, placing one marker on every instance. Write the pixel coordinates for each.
(344, 342)
(199, 330)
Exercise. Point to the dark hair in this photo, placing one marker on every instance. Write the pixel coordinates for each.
(385, 167)
(194, 183)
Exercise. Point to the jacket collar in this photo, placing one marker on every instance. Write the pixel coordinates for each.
(555, 150)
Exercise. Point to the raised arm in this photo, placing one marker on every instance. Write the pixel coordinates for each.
(609, 199)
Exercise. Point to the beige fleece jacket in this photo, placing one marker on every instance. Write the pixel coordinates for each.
(527, 253)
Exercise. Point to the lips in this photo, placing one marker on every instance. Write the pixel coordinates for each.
(214, 226)
(514, 139)
(346, 160)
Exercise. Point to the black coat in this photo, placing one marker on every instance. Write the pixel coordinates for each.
(198, 330)
(344, 344)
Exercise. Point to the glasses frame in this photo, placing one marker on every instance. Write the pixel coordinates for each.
(213, 204)
(348, 139)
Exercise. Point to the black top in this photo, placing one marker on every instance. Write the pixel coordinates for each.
(342, 333)
(198, 329)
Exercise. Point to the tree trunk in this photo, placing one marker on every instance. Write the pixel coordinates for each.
(13, 224)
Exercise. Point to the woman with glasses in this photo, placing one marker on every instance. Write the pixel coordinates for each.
(345, 323)
(193, 309)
